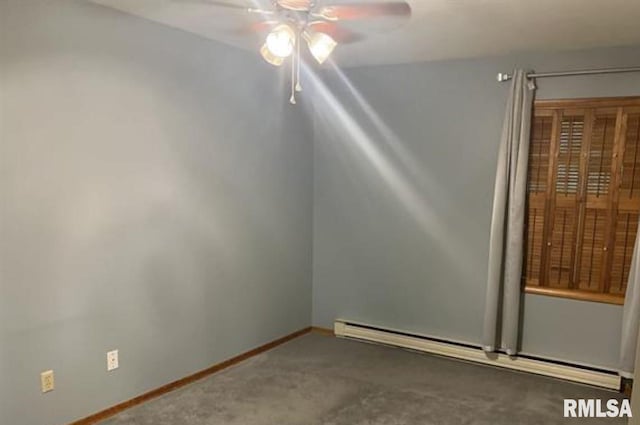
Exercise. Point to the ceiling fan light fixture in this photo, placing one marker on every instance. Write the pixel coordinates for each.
(321, 45)
(281, 41)
(270, 57)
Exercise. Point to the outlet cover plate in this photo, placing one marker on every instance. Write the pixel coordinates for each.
(46, 381)
(112, 360)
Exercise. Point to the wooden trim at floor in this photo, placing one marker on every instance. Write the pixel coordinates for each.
(111, 411)
(322, 331)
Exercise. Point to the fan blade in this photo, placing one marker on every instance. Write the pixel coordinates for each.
(263, 26)
(296, 5)
(257, 27)
(341, 35)
(342, 12)
(217, 3)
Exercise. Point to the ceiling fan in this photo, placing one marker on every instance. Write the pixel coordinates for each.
(290, 23)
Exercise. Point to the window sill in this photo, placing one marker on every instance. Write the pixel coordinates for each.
(575, 295)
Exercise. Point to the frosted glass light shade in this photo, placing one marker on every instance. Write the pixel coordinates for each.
(281, 41)
(270, 57)
(321, 45)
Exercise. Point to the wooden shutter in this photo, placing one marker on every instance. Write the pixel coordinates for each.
(539, 151)
(564, 215)
(628, 204)
(583, 198)
(590, 271)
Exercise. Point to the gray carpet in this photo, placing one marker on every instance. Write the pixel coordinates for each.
(320, 380)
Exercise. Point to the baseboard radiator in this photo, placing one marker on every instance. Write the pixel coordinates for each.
(364, 332)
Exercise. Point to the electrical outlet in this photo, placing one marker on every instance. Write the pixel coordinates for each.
(46, 381)
(112, 360)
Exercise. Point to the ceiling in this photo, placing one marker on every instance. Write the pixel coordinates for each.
(438, 29)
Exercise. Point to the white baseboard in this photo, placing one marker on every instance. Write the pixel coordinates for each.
(540, 367)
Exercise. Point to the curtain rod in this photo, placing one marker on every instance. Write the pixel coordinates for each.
(505, 77)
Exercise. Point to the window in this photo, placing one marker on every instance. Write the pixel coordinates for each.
(583, 198)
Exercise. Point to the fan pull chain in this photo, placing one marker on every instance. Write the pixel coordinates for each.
(292, 99)
(298, 85)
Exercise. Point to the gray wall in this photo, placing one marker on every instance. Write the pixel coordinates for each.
(155, 197)
(403, 189)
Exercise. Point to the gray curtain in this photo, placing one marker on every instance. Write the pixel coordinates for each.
(502, 305)
(631, 316)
